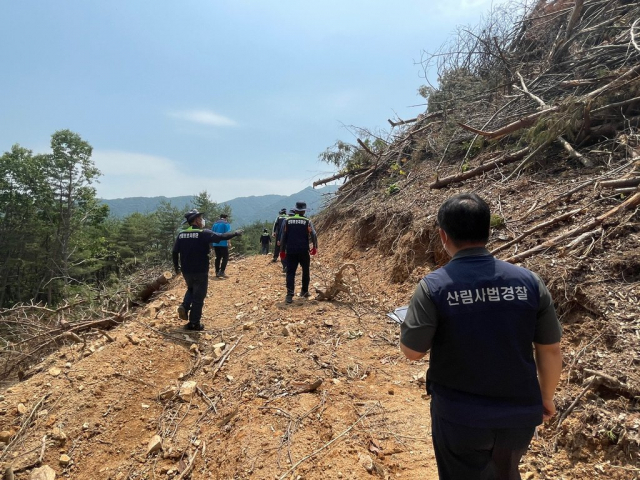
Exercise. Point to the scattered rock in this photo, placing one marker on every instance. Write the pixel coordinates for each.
(220, 345)
(154, 444)
(230, 378)
(328, 323)
(187, 390)
(420, 378)
(207, 360)
(5, 435)
(59, 436)
(85, 426)
(217, 353)
(367, 462)
(194, 348)
(22, 409)
(65, 460)
(133, 339)
(45, 472)
(167, 393)
(54, 371)
(248, 326)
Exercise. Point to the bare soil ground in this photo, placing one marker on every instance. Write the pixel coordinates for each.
(251, 418)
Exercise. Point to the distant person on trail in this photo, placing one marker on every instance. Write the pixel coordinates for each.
(297, 233)
(191, 258)
(275, 233)
(265, 241)
(222, 247)
(482, 319)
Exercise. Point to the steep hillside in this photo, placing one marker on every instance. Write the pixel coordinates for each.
(542, 120)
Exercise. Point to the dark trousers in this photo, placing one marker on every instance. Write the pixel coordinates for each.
(276, 251)
(222, 257)
(197, 284)
(265, 249)
(292, 261)
(478, 453)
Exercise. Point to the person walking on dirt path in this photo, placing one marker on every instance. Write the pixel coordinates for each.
(275, 233)
(221, 248)
(191, 258)
(265, 241)
(483, 319)
(297, 233)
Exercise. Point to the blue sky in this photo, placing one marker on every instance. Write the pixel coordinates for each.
(234, 97)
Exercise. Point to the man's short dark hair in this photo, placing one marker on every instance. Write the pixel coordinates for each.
(465, 218)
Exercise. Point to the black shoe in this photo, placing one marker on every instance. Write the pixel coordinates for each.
(289, 299)
(305, 294)
(182, 313)
(190, 326)
(223, 275)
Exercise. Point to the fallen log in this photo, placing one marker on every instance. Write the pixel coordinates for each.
(154, 286)
(540, 226)
(621, 183)
(631, 202)
(337, 176)
(523, 122)
(338, 285)
(505, 160)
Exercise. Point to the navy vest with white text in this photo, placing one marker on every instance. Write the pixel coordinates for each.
(297, 234)
(487, 312)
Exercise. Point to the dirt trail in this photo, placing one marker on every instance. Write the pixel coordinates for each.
(251, 418)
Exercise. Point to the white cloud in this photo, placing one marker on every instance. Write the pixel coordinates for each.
(128, 174)
(204, 117)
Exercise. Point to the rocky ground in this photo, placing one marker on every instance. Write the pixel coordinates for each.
(312, 390)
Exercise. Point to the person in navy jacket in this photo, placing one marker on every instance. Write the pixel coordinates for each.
(296, 235)
(191, 258)
(484, 321)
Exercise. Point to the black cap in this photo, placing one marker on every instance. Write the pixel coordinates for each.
(283, 210)
(191, 215)
(223, 215)
(301, 206)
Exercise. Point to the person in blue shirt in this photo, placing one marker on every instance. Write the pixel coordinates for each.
(191, 258)
(221, 248)
(484, 321)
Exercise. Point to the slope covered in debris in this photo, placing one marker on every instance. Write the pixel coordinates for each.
(539, 116)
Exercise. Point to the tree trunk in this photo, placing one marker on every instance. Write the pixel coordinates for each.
(154, 286)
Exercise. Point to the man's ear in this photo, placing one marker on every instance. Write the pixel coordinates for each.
(443, 236)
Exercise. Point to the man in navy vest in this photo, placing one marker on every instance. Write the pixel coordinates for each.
(275, 233)
(482, 319)
(191, 257)
(297, 233)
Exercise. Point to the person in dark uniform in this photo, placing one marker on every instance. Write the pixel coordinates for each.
(265, 241)
(297, 233)
(275, 233)
(484, 320)
(191, 258)
(221, 248)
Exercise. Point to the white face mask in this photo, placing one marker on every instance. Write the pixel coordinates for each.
(204, 222)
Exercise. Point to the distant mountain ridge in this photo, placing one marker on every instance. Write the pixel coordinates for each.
(244, 210)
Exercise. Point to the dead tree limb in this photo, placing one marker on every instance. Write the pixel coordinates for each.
(154, 286)
(631, 202)
(615, 83)
(632, 33)
(337, 176)
(523, 122)
(401, 122)
(338, 285)
(540, 226)
(621, 183)
(566, 145)
(505, 160)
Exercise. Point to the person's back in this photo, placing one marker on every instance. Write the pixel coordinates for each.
(480, 317)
